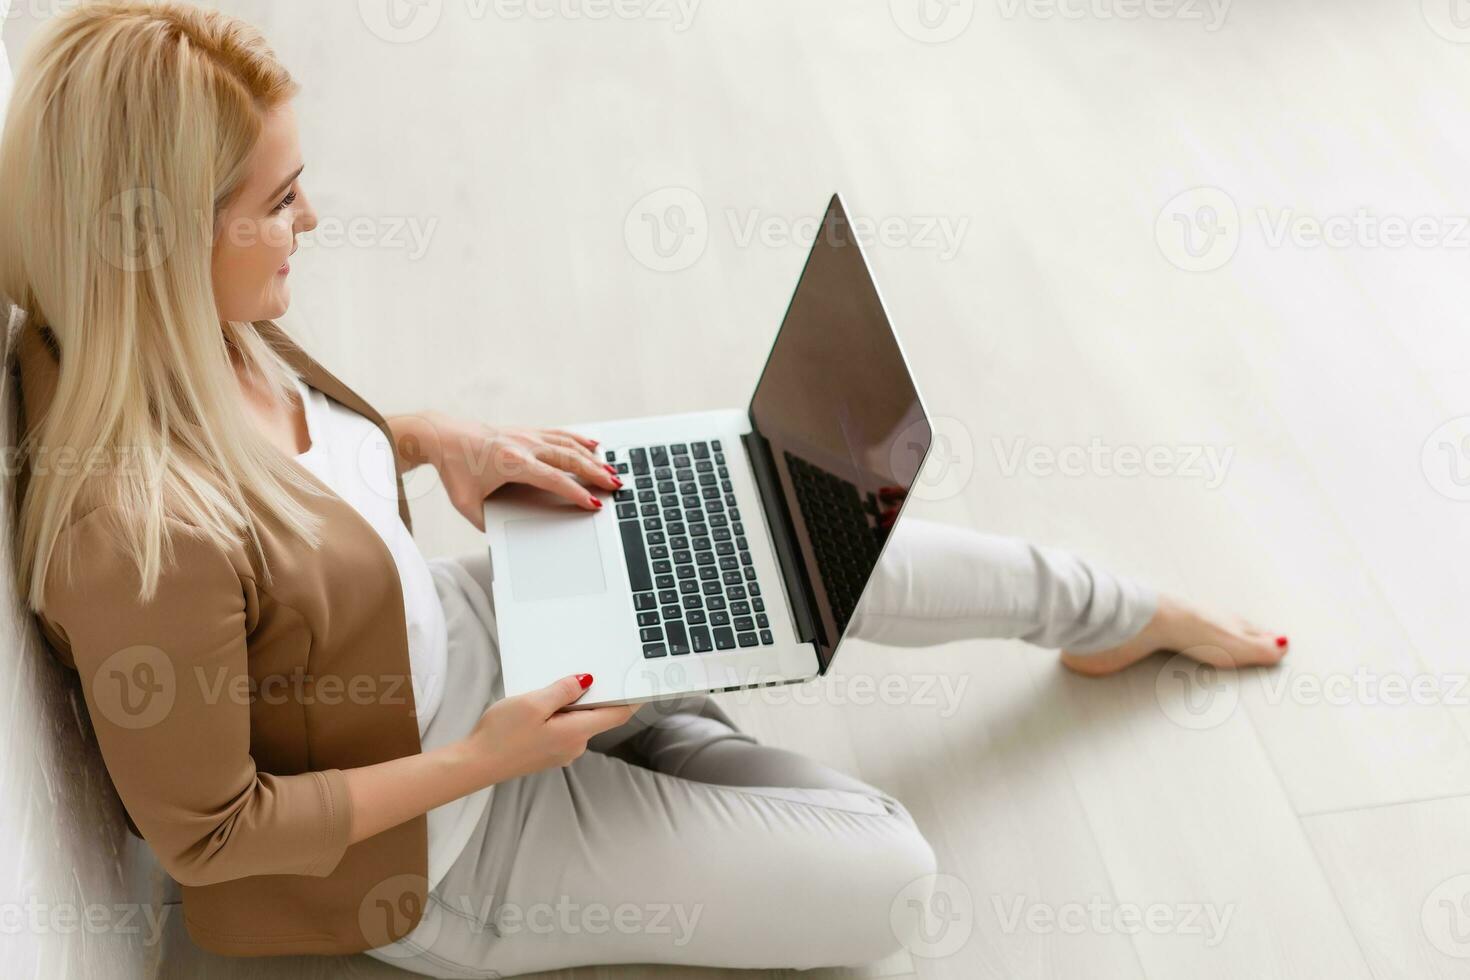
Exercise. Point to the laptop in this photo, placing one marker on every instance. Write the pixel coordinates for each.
(743, 539)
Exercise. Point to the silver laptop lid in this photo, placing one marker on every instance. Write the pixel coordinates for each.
(846, 428)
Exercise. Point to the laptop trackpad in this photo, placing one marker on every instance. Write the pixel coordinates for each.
(553, 557)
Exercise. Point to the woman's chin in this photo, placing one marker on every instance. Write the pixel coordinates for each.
(279, 303)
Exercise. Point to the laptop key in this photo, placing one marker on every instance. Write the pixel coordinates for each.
(678, 642)
(748, 640)
(695, 617)
(627, 510)
(650, 633)
(744, 623)
(767, 638)
(724, 639)
(638, 575)
(699, 449)
(699, 639)
(648, 619)
(639, 459)
(651, 650)
(644, 600)
(719, 618)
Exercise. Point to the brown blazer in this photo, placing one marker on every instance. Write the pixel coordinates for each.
(226, 708)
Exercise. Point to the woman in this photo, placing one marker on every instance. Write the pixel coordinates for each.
(301, 715)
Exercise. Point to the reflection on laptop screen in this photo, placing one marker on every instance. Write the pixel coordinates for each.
(844, 422)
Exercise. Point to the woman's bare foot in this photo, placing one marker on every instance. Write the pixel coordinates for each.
(1176, 626)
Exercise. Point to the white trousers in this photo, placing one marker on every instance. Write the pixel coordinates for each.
(681, 840)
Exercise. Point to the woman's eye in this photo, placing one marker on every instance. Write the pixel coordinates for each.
(289, 200)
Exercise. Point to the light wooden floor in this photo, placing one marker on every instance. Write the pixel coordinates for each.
(1327, 825)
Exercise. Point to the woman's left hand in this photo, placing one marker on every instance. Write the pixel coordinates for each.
(474, 460)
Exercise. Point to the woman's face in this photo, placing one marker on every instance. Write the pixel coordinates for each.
(256, 233)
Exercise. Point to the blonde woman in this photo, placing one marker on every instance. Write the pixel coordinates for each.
(299, 713)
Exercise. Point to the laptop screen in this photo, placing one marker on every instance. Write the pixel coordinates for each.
(846, 428)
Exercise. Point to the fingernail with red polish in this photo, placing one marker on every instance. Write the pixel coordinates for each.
(1281, 641)
(585, 680)
(617, 483)
(595, 502)
(610, 468)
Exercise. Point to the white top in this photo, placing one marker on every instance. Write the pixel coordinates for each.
(352, 457)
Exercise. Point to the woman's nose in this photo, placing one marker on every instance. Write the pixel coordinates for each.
(306, 216)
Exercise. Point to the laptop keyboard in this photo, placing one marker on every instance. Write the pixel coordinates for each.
(694, 586)
(842, 527)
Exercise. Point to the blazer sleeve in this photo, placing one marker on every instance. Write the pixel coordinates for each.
(167, 688)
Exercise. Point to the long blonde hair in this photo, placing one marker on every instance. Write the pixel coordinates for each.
(131, 127)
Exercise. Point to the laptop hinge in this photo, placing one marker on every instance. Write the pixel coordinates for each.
(783, 533)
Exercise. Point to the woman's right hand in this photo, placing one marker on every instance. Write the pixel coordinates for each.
(529, 732)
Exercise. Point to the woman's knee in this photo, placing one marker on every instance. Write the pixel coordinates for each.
(867, 916)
